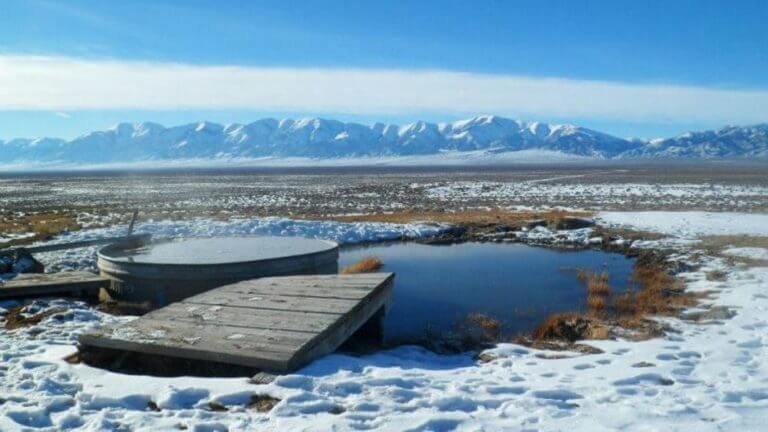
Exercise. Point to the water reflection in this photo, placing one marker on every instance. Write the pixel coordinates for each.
(436, 286)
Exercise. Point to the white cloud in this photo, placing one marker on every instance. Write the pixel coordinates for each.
(58, 83)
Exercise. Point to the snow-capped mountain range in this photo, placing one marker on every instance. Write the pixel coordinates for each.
(327, 139)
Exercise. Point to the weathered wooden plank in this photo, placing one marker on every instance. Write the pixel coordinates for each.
(192, 342)
(269, 338)
(35, 285)
(273, 339)
(351, 293)
(334, 336)
(274, 302)
(245, 317)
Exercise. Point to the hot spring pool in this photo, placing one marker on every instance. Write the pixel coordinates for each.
(165, 271)
(436, 286)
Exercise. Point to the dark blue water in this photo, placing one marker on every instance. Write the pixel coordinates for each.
(437, 286)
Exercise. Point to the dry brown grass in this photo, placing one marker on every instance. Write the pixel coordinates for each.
(625, 304)
(653, 292)
(598, 284)
(43, 225)
(596, 304)
(657, 292)
(567, 326)
(489, 326)
(464, 217)
(598, 290)
(471, 332)
(366, 265)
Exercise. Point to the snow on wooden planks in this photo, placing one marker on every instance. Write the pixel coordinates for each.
(50, 284)
(275, 324)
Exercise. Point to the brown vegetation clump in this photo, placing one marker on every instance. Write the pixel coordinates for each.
(598, 285)
(365, 265)
(625, 304)
(569, 326)
(15, 318)
(657, 292)
(262, 403)
(596, 304)
(489, 326)
(717, 276)
(465, 217)
(598, 290)
(653, 292)
(44, 225)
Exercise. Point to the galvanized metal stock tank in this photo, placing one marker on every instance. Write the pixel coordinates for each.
(161, 272)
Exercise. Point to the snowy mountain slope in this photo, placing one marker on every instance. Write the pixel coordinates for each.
(728, 142)
(324, 139)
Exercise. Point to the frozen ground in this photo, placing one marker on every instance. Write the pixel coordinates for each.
(690, 224)
(707, 375)
(102, 198)
(755, 253)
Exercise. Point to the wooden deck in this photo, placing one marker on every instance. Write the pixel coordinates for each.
(78, 283)
(275, 324)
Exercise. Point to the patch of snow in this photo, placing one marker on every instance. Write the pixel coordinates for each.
(755, 253)
(545, 236)
(689, 224)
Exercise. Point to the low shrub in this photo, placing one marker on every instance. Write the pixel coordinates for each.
(366, 265)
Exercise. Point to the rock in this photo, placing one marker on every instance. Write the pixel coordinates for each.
(715, 313)
(574, 222)
(643, 364)
(530, 224)
(487, 357)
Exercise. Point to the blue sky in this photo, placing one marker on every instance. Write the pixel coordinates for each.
(656, 68)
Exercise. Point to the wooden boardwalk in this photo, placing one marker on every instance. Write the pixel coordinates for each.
(275, 324)
(77, 283)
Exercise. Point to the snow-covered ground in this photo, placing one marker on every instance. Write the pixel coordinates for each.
(9, 237)
(689, 224)
(755, 253)
(634, 195)
(442, 158)
(703, 376)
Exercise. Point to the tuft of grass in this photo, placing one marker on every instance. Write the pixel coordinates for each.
(366, 265)
(596, 304)
(598, 290)
(489, 326)
(262, 402)
(568, 326)
(653, 291)
(597, 285)
(625, 304)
